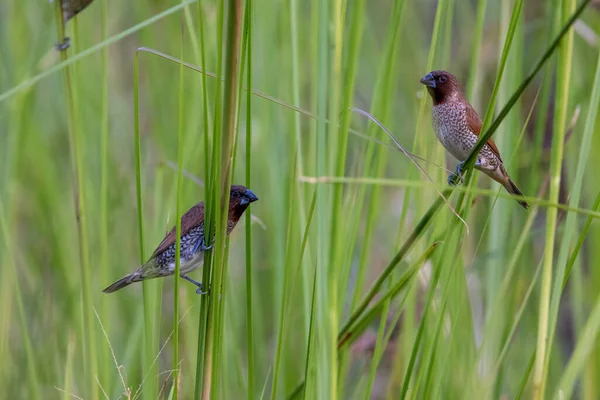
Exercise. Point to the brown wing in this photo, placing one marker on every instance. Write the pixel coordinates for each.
(475, 124)
(191, 219)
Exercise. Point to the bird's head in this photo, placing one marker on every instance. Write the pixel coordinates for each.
(240, 198)
(442, 86)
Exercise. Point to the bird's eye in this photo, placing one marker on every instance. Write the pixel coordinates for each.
(442, 79)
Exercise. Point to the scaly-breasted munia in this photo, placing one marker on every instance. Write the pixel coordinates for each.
(193, 243)
(457, 126)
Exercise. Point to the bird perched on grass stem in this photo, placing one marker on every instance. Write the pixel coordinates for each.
(457, 126)
(193, 243)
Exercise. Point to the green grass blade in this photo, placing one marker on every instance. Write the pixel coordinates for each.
(570, 227)
(80, 215)
(585, 345)
(543, 347)
(178, 214)
(249, 308)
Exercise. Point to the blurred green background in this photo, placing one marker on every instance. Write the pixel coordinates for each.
(466, 325)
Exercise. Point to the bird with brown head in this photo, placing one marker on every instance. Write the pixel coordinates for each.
(457, 127)
(193, 243)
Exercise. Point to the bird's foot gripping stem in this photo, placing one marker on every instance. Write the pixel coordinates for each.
(64, 45)
(456, 177)
(199, 284)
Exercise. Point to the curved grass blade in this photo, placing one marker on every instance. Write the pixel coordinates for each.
(355, 325)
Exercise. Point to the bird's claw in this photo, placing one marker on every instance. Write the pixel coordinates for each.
(64, 45)
(205, 247)
(456, 177)
(200, 291)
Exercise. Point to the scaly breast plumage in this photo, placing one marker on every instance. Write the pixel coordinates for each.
(452, 130)
(454, 133)
(190, 259)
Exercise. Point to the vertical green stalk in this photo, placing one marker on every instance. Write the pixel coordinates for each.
(249, 320)
(435, 36)
(149, 296)
(297, 66)
(29, 352)
(341, 241)
(211, 215)
(476, 53)
(294, 14)
(505, 140)
(203, 315)
(564, 261)
(447, 35)
(499, 240)
(514, 21)
(337, 238)
(326, 312)
(540, 125)
(223, 177)
(178, 214)
(380, 345)
(339, 137)
(311, 335)
(285, 294)
(585, 344)
(565, 54)
(104, 264)
(78, 176)
(334, 136)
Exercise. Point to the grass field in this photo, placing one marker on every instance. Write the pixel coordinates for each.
(359, 273)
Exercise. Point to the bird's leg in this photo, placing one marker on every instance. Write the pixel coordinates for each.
(455, 177)
(64, 45)
(199, 284)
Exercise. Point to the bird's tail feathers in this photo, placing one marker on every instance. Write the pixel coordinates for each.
(501, 176)
(125, 281)
(511, 188)
(147, 271)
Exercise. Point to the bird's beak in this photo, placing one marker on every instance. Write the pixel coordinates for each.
(428, 80)
(248, 198)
